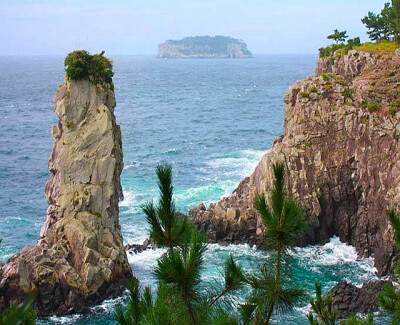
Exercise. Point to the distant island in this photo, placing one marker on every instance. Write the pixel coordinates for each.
(200, 47)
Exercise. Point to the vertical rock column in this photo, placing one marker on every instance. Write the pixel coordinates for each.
(79, 259)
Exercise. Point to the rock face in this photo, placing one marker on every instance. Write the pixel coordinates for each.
(79, 259)
(204, 47)
(341, 150)
(348, 299)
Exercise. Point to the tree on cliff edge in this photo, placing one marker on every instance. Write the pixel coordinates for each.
(386, 24)
(338, 36)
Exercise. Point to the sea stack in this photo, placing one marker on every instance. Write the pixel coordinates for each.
(80, 258)
(342, 153)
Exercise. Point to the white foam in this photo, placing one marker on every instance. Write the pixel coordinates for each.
(335, 253)
(134, 164)
(146, 260)
(240, 164)
(129, 200)
(63, 319)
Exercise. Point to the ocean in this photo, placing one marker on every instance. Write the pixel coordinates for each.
(212, 119)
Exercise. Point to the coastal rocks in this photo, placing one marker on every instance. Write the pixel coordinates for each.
(348, 299)
(80, 259)
(341, 150)
(204, 47)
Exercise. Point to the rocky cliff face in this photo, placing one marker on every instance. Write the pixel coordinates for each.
(79, 259)
(341, 150)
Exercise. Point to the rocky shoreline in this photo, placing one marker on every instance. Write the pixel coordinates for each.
(336, 123)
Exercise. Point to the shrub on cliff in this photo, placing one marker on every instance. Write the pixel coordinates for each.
(345, 47)
(97, 68)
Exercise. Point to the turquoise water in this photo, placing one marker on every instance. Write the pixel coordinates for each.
(212, 119)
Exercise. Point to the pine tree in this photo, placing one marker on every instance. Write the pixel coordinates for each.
(338, 36)
(180, 298)
(168, 228)
(270, 287)
(389, 297)
(394, 22)
(322, 311)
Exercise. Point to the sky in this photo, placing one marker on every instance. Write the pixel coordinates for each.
(123, 27)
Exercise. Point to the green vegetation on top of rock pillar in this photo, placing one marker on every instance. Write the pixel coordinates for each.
(97, 68)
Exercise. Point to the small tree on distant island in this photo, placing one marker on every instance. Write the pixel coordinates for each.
(338, 36)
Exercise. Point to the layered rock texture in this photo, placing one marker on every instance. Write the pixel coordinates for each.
(341, 150)
(204, 47)
(348, 298)
(79, 259)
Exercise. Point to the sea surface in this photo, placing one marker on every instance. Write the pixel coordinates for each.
(212, 119)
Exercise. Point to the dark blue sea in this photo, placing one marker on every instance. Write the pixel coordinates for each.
(212, 119)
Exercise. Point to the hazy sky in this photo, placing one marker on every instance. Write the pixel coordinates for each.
(138, 26)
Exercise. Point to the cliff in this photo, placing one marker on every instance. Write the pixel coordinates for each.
(79, 259)
(204, 47)
(341, 150)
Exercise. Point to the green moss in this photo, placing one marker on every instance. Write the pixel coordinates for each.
(308, 144)
(373, 107)
(348, 93)
(325, 77)
(382, 47)
(304, 94)
(393, 108)
(107, 244)
(396, 136)
(97, 68)
(314, 89)
(364, 105)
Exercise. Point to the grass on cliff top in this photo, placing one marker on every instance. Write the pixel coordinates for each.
(97, 68)
(383, 47)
